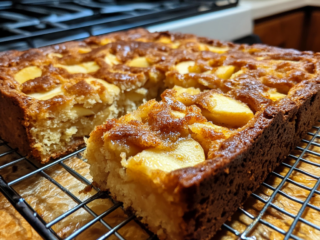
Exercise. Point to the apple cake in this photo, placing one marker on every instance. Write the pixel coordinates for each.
(209, 119)
(229, 115)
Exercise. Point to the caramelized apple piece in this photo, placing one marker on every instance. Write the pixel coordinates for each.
(225, 72)
(178, 114)
(186, 153)
(183, 67)
(274, 95)
(227, 111)
(47, 95)
(27, 74)
(164, 40)
(190, 90)
(167, 40)
(111, 59)
(236, 74)
(196, 128)
(84, 50)
(86, 67)
(105, 41)
(205, 47)
(53, 55)
(139, 62)
(208, 134)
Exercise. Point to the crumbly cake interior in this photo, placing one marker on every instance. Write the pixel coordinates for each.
(217, 90)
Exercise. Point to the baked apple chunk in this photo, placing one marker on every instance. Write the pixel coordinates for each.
(226, 111)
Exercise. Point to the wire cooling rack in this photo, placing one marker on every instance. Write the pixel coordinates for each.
(300, 173)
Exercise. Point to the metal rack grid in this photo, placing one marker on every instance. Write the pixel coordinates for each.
(37, 222)
(45, 228)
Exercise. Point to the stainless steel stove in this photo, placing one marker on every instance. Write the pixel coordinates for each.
(34, 23)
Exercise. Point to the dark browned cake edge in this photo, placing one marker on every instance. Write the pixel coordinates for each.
(215, 190)
(12, 120)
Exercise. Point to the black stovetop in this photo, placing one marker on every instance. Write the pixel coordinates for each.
(34, 23)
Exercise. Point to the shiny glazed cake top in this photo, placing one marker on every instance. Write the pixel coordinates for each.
(102, 67)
